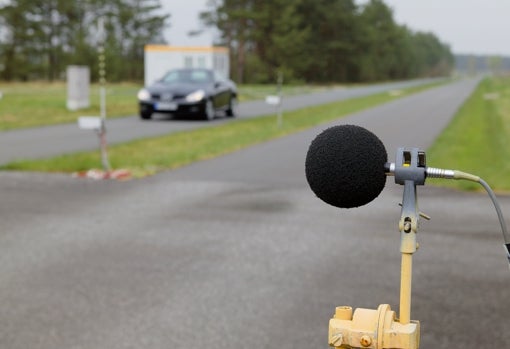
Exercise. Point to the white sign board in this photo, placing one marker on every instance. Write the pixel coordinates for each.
(89, 122)
(78, 87)
(273, 100)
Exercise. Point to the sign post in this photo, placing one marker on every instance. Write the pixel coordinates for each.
(102, 94)
(98, 123)
(276, 100)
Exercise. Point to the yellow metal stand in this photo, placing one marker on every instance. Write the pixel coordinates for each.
(368, 328)
(380, 329)
(405, 288)
(408, 226)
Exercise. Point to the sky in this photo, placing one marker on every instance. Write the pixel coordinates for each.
(467, 26)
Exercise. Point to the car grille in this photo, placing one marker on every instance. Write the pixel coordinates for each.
(158, 97)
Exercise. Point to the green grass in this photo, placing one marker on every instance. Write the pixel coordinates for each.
(478, 138)
(38, 104)
(148, 156)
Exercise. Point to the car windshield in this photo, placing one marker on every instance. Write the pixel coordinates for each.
(187, 76)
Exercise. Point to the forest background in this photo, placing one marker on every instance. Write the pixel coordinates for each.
(309, 41)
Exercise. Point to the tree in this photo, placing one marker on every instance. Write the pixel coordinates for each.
(233, 18)
(131, 25)
(433, 57)
(383, 42)
(334, 33)
(282, 35)
(495, 64)
(277, 40)
(17, 43)
(39, 38)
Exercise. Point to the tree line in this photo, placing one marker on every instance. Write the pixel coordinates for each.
(323, 41)
(482, 64)
(315, 41)
(40, 38)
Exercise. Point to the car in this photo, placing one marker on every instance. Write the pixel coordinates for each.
(189, 92)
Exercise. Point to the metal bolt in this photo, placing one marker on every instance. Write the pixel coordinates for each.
(407, 227)
(365, 340)
(337, 340)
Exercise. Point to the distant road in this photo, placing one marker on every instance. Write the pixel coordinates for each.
(55, 140)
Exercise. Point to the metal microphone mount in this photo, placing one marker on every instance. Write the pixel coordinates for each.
(380, 329)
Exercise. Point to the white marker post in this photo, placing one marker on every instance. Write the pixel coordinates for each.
(279, 89)
(276, 100)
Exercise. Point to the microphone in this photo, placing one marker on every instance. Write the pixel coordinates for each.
(345, 166)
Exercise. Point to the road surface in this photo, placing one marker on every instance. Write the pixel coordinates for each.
(236, 252)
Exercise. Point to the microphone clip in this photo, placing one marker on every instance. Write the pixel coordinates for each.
(410, 165)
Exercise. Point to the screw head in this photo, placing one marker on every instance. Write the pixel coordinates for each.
(365, 340)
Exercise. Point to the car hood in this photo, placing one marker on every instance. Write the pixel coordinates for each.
(180, 89)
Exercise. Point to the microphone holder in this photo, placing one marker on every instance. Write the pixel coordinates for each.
(380, 329)
(410, 171)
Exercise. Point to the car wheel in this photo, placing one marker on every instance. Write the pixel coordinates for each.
(232, 107)
(145, 115)
(209, 110)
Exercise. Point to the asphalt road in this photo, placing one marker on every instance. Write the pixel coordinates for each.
(67, 138)
(236, 252)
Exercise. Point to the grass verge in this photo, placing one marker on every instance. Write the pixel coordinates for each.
(35, 104)
(148, 156)
(478, 138)
(39, 104)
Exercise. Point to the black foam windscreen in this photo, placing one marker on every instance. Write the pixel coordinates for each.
(345, 166)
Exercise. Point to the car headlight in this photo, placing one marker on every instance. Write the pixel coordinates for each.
(196, 96)
(143, 95)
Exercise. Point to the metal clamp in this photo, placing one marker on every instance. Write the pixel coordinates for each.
(375, 329)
